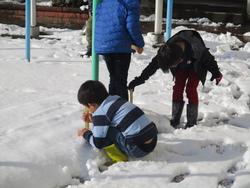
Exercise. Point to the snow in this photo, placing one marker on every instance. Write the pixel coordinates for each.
(40, 115)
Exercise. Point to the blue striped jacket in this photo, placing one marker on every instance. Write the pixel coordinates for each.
(123, 115)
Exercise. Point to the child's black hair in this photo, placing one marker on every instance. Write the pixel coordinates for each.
(168, 54)
(92, 91)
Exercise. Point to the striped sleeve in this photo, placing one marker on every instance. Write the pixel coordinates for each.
(97, 142)
(99, 138)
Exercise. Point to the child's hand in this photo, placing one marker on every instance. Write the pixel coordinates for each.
(87, 117)
(217, 79)
(139, 50)
(82, 131)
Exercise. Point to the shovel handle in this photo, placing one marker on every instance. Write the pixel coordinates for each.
(131, 95)
(86, 124)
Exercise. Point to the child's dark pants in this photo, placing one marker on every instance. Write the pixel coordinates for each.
(118, 65)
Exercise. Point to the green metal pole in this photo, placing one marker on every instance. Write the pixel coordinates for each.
(95, 58)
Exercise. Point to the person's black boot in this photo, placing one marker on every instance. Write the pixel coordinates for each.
(177, 108)
(192, 114)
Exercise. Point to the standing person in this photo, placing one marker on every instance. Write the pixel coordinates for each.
(117, 29)
(89, 30)
(88, 5)
(186, 55)
(117, 124)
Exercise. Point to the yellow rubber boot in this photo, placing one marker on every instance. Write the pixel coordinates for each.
(115, 154)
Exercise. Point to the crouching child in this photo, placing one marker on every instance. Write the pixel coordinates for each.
(119, 127)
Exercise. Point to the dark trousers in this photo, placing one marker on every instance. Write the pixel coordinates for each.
(118, 65)
(188, 79)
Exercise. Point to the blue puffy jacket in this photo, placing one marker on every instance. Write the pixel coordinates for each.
(117, 26)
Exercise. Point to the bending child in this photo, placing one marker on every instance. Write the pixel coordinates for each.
(186, 55)
(116, 122)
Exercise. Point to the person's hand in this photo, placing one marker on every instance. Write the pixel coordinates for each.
(139, 50)
(217, 79)
(82, 131)
(87, 117)
(137, 81)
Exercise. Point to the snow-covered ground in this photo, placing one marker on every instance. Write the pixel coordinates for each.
(39, 116)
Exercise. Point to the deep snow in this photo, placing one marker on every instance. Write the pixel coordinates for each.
(39, 116)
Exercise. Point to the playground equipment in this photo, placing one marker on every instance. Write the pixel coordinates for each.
(27, 29)
(95, 58)
(30, 25)
(169, 19)
(32, 30)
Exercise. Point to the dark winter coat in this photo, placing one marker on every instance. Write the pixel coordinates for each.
(117, 26)
(203, 60)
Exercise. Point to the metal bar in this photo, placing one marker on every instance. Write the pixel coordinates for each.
(27, 29)
(95, 58)
(158, 16)
(169, 19)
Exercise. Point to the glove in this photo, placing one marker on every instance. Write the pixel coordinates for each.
(217, 78)
(137, 81)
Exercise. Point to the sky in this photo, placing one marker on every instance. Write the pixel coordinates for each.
(40, 115)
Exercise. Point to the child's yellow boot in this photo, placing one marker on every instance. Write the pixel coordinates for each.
(115, 154)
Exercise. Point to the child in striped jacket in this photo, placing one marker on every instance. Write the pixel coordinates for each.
(115, 122)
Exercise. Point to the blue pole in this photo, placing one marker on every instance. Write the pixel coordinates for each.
(169, 19)
(27, 29)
